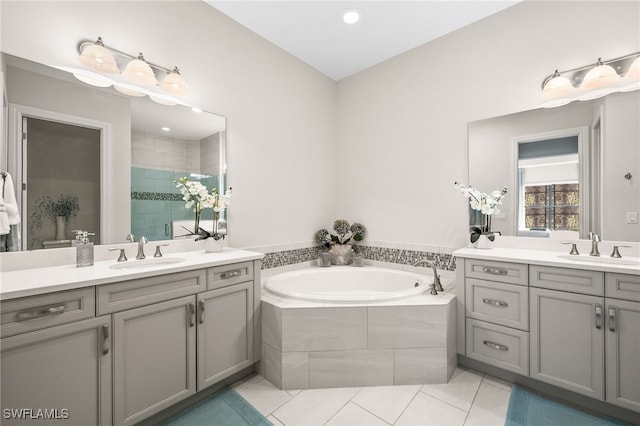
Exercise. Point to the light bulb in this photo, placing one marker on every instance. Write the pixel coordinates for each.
(138, 71)
(174, 84)
(97, 57)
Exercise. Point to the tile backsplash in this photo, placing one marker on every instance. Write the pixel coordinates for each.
(443, 261)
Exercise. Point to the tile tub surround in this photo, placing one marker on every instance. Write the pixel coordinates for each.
(309, 345)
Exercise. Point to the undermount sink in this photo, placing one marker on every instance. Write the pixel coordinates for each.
(601, 259)
(147, 263)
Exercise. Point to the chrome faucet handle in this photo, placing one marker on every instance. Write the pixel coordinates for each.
(130, 238)
(141, 242)
(433, 289)
(574, 248)
(158, 253)
(594, 237)
(122, 257)
(616, 252)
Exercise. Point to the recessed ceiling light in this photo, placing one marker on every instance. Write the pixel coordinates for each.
(351, 16)
(166, 129)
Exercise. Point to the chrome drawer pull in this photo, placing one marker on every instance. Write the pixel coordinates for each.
(495, 345)
(598, 316)
(192, 314)
(41, 312)
(105, 339)
(231, 274)
(495, 271)
(612, 319)
(495, 303)
(202, 312)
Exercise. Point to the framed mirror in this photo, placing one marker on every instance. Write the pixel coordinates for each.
(109, 159)
(570, 170)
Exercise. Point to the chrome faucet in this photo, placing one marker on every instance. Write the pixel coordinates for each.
(130, 238)
(437, 286)
(595, 239)
(141, 242)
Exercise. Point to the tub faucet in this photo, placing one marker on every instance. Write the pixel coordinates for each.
(141, 242)
(436, 278)
(595, 239)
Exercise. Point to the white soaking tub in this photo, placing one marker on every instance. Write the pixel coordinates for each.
(348, 284)
(347, 326)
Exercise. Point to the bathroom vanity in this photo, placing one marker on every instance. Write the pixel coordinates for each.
(569, 321)
(116, 343)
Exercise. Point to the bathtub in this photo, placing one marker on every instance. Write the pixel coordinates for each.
(346, 326)
(348, 284)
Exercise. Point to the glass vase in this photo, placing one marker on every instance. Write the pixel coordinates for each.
(341, 254)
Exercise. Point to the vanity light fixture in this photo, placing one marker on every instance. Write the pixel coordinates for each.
(592, 81)
(138, 71)
(138, 77)
(174, 84)
(97, 57)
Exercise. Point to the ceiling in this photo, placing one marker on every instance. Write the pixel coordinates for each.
(314, 31)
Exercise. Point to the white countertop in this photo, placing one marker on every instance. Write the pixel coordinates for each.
(551, 258)
(33, 281)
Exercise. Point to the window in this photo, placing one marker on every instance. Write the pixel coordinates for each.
(554, 207)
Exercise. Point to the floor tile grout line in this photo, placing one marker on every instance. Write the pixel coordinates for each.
(340, 409)
(405, 408)
(373, 414)
(473, 401)
(447, 402)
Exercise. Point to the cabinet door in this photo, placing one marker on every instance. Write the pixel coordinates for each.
(623, 353)
(65, 370)
(225, 332)
(567, 340)
(154, 358)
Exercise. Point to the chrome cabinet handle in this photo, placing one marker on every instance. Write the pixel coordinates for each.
(495, 345)
(495, 271)
(192, 314)
(42, 311)
(201, 311)
(231, 274)
(493, 302)
(598, 316)
(612, 319)
(105, 339)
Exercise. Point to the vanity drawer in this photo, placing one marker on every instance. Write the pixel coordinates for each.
(46, 310)
(622, 286)
(565, 279)
(504, 272)
(145, 291)
(503, 347)
(504, 304)
(226, 275)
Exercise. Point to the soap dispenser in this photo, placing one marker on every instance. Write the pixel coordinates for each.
(84, 249)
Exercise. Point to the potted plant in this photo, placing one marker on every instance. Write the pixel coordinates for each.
(197, 196)
(339, 244)
(487, 204)
(46, 209)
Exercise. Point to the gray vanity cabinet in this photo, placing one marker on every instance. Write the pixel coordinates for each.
(154, 358)
(225, 332)
(567, 340)
(622, 340)
(65, 369)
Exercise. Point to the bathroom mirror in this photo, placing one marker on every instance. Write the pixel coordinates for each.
(141, 148)
(600, 190)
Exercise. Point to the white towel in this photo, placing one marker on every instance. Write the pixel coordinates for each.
(5, 228)
(10, 202)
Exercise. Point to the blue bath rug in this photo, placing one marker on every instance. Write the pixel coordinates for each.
(222, 408)
(529, 409)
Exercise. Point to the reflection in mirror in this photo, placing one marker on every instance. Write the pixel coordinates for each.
(139, 149)
(553, 191)
(550, 193)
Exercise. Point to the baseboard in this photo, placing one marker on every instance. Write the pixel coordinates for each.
(584, 403)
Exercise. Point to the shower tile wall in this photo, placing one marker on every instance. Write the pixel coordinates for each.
(157, 162)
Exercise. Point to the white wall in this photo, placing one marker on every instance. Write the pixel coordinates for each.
(402, 124)
(281, 113)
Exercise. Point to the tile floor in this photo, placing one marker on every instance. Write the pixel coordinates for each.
(470, 398)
